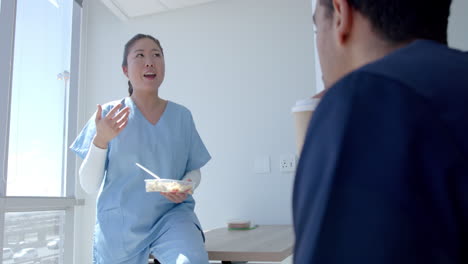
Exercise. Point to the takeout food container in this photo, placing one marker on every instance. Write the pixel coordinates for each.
(168, 185)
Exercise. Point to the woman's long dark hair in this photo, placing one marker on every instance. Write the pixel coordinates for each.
(127, 48)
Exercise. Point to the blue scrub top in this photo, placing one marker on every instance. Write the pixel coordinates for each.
(383, 175)
(129, 218)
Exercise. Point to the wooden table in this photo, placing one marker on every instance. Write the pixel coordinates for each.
(271, 243)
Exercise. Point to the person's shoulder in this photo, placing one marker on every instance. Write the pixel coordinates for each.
(422, 63)
(178, 109)
(111, 104)
(106, 107)
(361, 82)
(362, 90)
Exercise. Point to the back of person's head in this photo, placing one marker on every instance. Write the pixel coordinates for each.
(403, 20)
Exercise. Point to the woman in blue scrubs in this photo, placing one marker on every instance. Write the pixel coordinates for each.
(159, 134)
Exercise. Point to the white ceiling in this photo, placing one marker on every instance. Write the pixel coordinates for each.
(127, 9)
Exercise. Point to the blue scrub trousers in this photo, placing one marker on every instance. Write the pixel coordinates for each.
(180, 242)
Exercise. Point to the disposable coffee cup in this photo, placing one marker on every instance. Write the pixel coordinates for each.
(302, 112)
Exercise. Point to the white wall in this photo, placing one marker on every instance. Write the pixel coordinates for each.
(239, 66)
(319, 85)
(458, 23)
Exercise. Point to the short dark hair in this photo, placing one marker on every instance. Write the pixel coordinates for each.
(129, 45)
(402, 20)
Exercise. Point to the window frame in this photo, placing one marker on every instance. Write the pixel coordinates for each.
(29, 203)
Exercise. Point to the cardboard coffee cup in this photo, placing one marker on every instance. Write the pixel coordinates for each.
(302, 112)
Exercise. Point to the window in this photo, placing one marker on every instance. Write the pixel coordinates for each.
(38, 80)
(41, 66)
(42, 231)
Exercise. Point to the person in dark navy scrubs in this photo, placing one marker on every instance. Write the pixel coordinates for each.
(383, 174)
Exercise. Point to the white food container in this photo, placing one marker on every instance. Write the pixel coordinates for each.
(168, 185)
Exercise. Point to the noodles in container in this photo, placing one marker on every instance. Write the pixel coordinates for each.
(165, 185)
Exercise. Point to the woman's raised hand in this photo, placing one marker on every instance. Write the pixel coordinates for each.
(109, 126)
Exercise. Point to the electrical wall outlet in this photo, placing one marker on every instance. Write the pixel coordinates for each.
(288, 163)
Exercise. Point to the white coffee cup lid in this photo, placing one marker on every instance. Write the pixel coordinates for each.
(307, 104)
